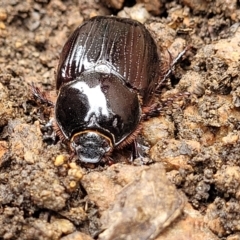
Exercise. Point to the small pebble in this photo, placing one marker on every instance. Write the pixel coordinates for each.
(18, 44)
(73, 165)
(64, 225)
(2, 26)
(73, 184)
(77, 174)
(3, 14)
(231, 138)
(60, 159)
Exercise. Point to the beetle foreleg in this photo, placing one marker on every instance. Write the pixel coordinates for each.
(38, 94)
(139, 152)
(49, 133)
(152, 111)
(170, 69)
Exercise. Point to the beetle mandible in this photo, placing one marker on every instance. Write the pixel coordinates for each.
(108, 72)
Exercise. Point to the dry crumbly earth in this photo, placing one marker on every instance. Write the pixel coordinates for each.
(191, 191)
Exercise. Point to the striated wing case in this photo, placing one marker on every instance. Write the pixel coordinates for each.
(119, 46)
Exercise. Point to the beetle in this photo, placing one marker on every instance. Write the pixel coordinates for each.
(107, 74)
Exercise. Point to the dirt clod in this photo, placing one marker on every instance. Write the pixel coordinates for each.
(132, 215)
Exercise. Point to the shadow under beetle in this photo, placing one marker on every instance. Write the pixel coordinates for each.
(107, 75)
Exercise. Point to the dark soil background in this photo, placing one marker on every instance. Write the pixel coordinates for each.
(191, 191)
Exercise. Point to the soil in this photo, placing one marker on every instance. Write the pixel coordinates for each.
(190, 189)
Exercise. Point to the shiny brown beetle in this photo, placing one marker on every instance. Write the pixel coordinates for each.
(107, 74)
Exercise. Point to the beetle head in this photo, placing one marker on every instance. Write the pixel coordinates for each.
(91, 146)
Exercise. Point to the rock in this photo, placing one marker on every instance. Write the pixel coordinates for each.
(39, 180)
(174, 154)
(63, 225)
(77, 236)
(53, 230)
(156, 129)
(116, 4)
(227, 180)
(190, 225)
(3, 14)
(212, 217)
(6, 110)
(137, 12)
(60, 160)
(26, 140)
(234, 237)
(3, 150)
(155, 7)
(143, 208)
(102, 187)
(231, 138)
(76, 214)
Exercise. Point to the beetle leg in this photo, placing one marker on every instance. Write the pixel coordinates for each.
(49, 134)
(139, 149)
(151, 111)
(139, 152)
(109, 160)
(72, 155)
(170, 69)
(58, 132)
(38, 94)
